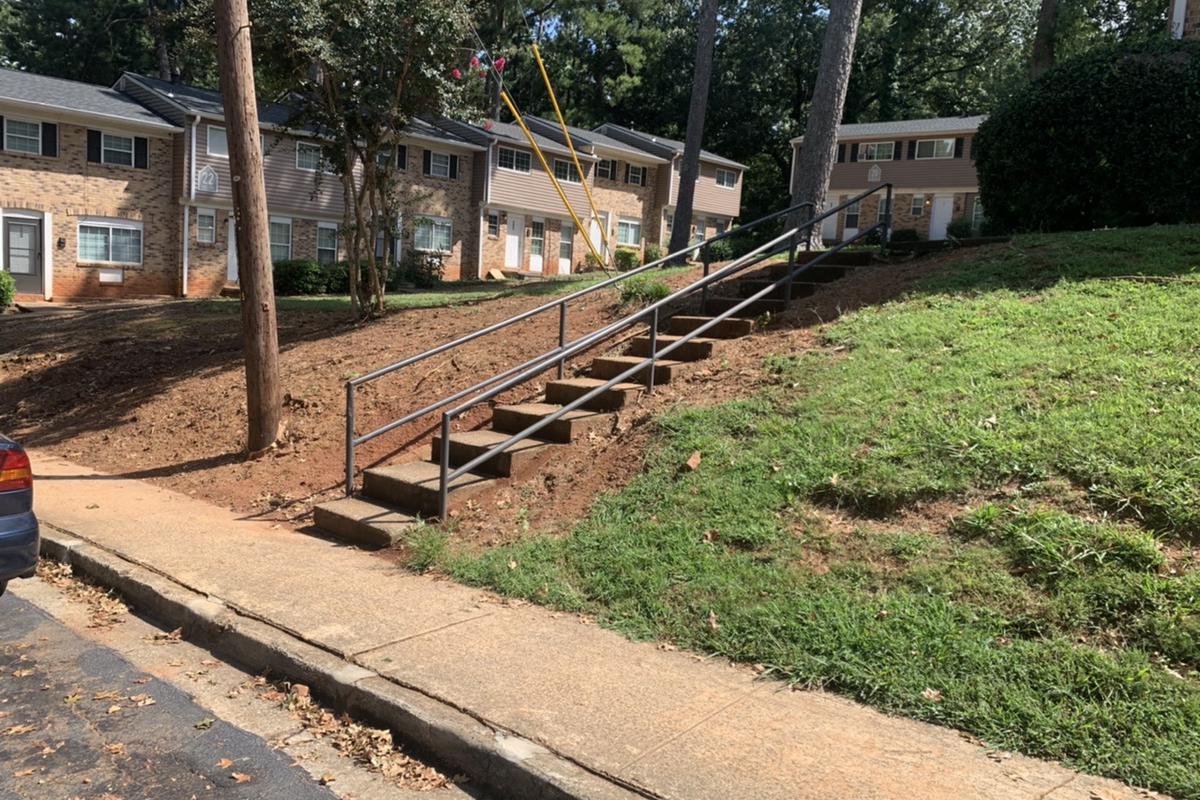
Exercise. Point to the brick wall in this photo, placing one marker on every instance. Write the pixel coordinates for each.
(208, 263)
(1191, 20)
(628, 200)
(902, 215)
(419, 195)
(70, 188)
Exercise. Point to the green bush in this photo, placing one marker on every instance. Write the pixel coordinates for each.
(960, 228)
(901, 235)
(423, 270)
(299, 276)
(1107, 139)
(720, 251)
(8, 289)
(625, 258)
(653, 253)
(642, 290)
(337, 278)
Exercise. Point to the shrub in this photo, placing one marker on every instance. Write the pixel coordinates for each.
(299, 276)
(653, 253)
(337, 278)
(901, 235)
(642, 290)
(420, 269)
(960, 228)
(590, 264)
(1107, 139)
(8, 289)
(720, 251)
(625, 258)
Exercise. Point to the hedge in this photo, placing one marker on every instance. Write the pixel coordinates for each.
(1108, 139)
(8, 289)
(300, 276)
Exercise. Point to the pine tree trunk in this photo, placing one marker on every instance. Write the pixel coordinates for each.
(259, 335)
(706, 32)
(1044, 40)
(815, 162)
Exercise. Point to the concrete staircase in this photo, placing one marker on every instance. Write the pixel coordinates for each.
(395, 498)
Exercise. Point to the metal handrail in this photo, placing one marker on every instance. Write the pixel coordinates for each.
(548, 359)
(353, 441)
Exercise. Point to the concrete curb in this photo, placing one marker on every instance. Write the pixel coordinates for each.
(503, 764)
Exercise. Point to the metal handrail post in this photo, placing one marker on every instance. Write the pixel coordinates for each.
(887, 223)
(562, 337)
(787, 287)
(349, 439)
(444, 479)
(653, 351)
(706, 257)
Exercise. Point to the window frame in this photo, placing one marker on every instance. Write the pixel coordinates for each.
(609, 166)
(875, 148)
(435, 222)
(516, 157)
(732, 172)
(880, 207)
(434, 155)
(855, 210)
(322, 167)
(627, 223)
(935, 156)
(328, 226)
(200, 214)
(110, 225)
(8, 148)
(641, 173)
(915, 210)
(105, 136)
(208, 139)
(271, 238)
(569, 169)
(493, 223)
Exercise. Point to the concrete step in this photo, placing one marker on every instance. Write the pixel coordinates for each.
(415, 486)
(363, 522)
(732, 328)
(571, 389)
(719, 305)
(748, 288)
(567, 428)
(611, 366)
(519, 460)
(821, 273)
(697, 349)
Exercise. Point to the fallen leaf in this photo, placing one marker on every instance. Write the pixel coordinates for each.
(141, 700)
(204, 724)
(932, 695)
(17, 730)
(24, 773)
(240, 777)
(141, 681)
(106, 696)
(22, 673)
(224, 763)
(512, 564)
(327, 779)
(712, 621)
(72, 699)
(693, 462)
(208, 662)
(114, 708)
(116, 748)
(300, 690)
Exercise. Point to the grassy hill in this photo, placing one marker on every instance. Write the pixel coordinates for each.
(978, 506)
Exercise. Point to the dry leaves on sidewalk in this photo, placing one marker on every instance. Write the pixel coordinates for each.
(105, 608)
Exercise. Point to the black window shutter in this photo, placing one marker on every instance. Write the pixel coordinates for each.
(627, 173)
(93, 146)
(49, 139)
(854, 152)
(912, 149)
(612, 169)
(453, 166)
(1, 131)
(898, 151)
(841, 153)
(427, 167)
(401, 156)
(141, 152)
(958, 147)
(971, 149)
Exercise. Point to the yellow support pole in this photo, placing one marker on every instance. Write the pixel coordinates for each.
(537, 56)
(550, 173)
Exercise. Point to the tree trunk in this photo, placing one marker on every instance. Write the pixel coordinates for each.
(158, 23)
(815, 162)
(706, 32)
(1044, 40)
(259, 336)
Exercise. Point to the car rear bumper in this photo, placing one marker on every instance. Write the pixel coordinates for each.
(18, 545)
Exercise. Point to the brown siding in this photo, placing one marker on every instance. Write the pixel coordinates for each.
(533, 191)
(905, 173)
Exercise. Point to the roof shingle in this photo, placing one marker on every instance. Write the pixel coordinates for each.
(28, 89)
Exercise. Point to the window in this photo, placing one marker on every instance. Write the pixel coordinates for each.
(565, 171)
(206, 226)
(876, 151)
(719, 226)
(434, 234)
(116, 149)
(22, 136)
(636, 175)
(935, 148)
(281, 239)
(629, 232)
(537, 238)
(977, 215)
(727, 178)
(327, 243)
(884, 207)
(310, 159)
(852, 215)
(218, 144)
(515, 160)
(110, 242)
(381, 245)
(698, 231)
(566, 243)
(918, 205)
(606, 169)
(439, 165)
(493, 224)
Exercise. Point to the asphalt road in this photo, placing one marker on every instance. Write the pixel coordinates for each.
(79, 721)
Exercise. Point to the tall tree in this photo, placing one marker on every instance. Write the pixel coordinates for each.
(689, 171)
(259, 335)
(1044, 39)
(815, 162)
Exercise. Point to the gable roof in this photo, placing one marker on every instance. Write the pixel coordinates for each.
(585, 139)
(656, 144)
(509, 133)
(908, 127)
(75, 98)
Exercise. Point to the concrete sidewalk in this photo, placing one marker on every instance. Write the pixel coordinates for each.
(582, 710)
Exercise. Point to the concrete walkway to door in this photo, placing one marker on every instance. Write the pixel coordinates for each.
(634, 719)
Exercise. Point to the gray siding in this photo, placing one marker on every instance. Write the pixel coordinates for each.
(534, 191)
(906, 173)
(710, 198)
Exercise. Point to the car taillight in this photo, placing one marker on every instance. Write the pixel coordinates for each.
(15, 471)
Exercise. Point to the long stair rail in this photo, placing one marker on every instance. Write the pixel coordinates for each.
(353, 440)
(789, 240)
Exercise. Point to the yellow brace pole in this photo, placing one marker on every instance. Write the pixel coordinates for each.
(537, 56)
(550, 174)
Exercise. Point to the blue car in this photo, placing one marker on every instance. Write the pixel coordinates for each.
(18, 525)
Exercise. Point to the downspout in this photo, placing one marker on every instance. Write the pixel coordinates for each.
(190, 177)
(483, 209)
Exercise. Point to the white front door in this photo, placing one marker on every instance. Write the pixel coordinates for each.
(594, 232)
(829, 226)
(231, 261)
(537, 244)
(515, 241)
(566, 249)
(939, 217)
(851, 216)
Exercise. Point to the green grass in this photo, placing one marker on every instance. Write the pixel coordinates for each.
(1058, 614)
